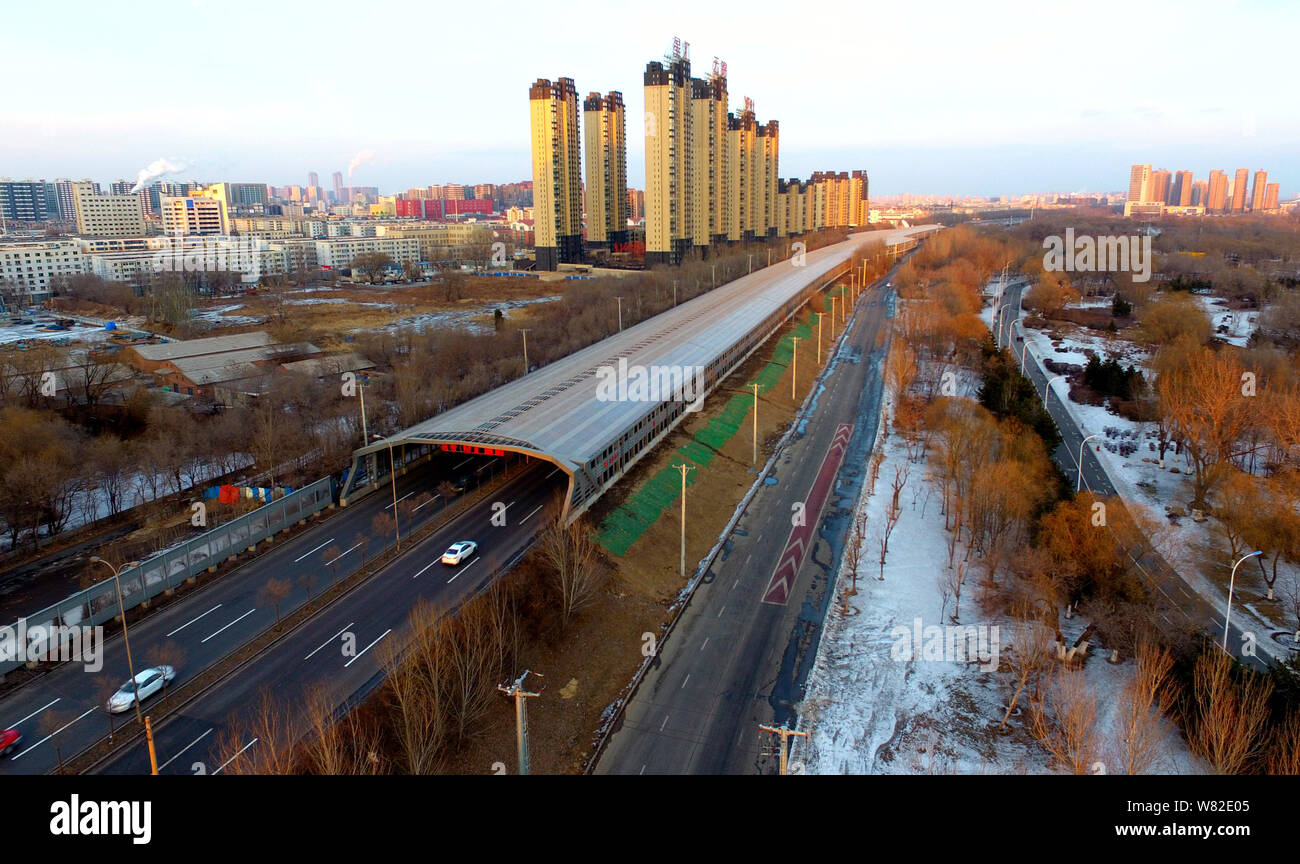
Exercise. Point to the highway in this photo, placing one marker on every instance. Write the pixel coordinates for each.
(1178, 605)
(312, 656)
(740, 652)
(226, 614)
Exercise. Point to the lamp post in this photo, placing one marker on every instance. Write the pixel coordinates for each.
(685, 469)
(794, 368)
(121, 608)
(1228, 612)
(1022, 354)
(1048, 389)
(1079, 483)
(524, 331)
(392, 473)
(997, 335)
(754, 457)
(620, 313)
(819, 337)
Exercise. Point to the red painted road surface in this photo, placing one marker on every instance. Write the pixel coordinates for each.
(803, 536)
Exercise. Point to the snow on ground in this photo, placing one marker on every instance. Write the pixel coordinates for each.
(872, 709)
(464, 318)
(1240, 323)
(219, 316)
(15, 333)
(1129, 451)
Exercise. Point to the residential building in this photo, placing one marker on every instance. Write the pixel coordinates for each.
(1258, 191)
(29, 272)
(606, 152)
(557, 174)
(107, 215)
(1239, 185)
(193, 215)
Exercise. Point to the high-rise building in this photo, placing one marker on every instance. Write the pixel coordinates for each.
(1180, 194)
(1160, 183)
(1200, 193)
(67, 197)
(606, 152)
(338, 187)
(635, 205)
(1139, 184)
(859, 193)
(25, 201)
(742, 137)
(1258, 191)
(669, 161)
(1271, 192)
(709, 125)
(107, 215)
(557, 173)
(313, 179)
(1216, 200)
(1239, 184)
(770, 179)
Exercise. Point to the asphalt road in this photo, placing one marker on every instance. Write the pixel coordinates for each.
(224, 615)
(734, 661)
(1177, 604)
(198, 738)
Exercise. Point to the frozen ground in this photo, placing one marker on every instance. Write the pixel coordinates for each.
(870, 709)
(1129, 451)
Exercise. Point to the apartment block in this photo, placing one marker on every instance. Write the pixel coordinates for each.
(557, 173)
(107, 215)
(606, 152)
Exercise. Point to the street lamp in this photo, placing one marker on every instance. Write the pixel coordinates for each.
(997, 335)
(392, 473)
(1079, 483)
(1228, 612)
(754, 458)
(794, 367)
(1022, 352)
(524, 331)
(121, 608)
(1049, 389)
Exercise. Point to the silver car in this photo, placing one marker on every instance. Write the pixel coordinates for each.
(147, 682)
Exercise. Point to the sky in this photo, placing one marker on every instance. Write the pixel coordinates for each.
(998, 97)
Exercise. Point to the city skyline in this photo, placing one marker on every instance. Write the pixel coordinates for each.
(966, 137)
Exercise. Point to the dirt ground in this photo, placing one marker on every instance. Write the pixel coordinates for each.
(602, 649)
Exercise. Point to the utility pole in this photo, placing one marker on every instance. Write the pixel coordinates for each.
(786, 734)
(754, 387)
(769, 256)
(819, 337)
(153, 756)
(685, 469)
(525, 332)
(715, 275)
(794, 367)
(751, 262)
(620, 313)
(521, 696)
(675, 289)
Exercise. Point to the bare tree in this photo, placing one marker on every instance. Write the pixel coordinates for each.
(1142, 701)
(274, 592)
(1227, 718)
(571, 555)
(166, 654)
(1064, 720)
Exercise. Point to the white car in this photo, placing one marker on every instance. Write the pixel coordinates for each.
(147, 683)
(459, 552)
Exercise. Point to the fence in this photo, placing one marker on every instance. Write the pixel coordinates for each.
(98, 603)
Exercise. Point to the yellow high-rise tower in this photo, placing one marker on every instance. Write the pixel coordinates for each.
(606, 151)
(557, 172)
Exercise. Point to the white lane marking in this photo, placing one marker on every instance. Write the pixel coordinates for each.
(368, 647)
(314, 551)
(400, 500)
(341, 554)
(454, 467)
(236, 756)
(665, 723)
(34, 713)
(426, 567)
(705, 642)
(186, 747)
(462, 570)
(52, 734)
(481, 468)
(332, 638)
(734, 584)
(720, 611)
(687, 678)
(192, 620)
(530, 515)
(231, 624)
(435, 497)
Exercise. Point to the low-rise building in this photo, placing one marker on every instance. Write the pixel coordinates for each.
(29, 271)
